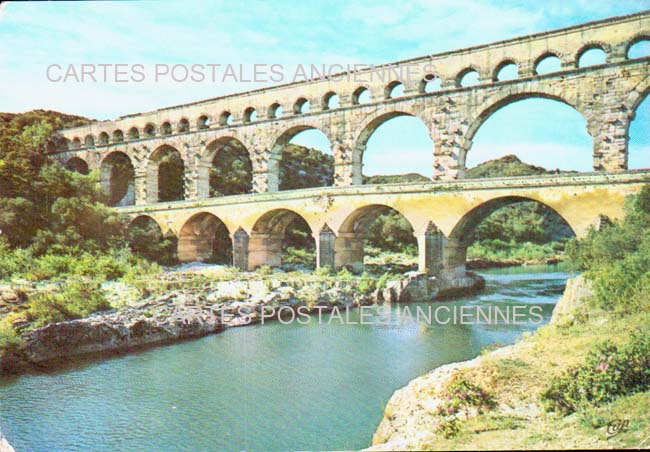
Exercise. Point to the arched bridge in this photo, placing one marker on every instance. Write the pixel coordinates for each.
(443, 216)
(442, 213)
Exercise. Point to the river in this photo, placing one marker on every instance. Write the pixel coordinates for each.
(264, 387)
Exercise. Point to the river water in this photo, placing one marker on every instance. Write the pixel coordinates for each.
(263, 387)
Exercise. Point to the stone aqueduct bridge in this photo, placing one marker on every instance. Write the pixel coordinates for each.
(443, 212)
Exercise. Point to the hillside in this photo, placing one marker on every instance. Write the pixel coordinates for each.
(506, 166)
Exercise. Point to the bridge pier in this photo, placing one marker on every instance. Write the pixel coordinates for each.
(348, 251)
(264, 249)
(325, 248)
(195, 248)
(454, 258)
(240, 242)
(431, 244)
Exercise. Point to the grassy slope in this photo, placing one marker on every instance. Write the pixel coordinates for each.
(518, 379)
(515, 377)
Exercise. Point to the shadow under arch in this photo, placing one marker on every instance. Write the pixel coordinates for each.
(271, 232)
(117, 179)
(146, 239)
(225, 169)
(77, 165)
(165, 175)
(487, 110)
(205, 238)
(463, 233)
(379, 225)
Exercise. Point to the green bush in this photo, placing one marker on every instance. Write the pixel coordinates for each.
(616, 258)
(609, 371)
(75, 300)
(8, 336)
(366, 284)
(462, 394)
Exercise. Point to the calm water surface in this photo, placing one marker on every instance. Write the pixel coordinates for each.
(263, 387)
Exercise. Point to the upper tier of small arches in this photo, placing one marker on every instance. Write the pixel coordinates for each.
(506, 69)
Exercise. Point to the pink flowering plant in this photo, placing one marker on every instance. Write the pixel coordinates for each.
(609, 371)
(461, 395)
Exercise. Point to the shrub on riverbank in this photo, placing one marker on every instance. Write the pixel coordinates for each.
(110, 265)
(608, 372)
(497, 250)
(617, 258)
(74, 300)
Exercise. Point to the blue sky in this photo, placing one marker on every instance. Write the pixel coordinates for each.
(35, 35)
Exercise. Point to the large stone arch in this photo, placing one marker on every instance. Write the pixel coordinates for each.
(284, 138)
(208, 156)
(164, 156)
(78, 165)
(365, 129)
(632, 103)
(117, 178)
(205, 237)
(349, 241)
(146, 237)
(482, 113)
(267, 235)
(462, 234)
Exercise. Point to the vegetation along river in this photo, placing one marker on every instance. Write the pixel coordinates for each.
(261, 387)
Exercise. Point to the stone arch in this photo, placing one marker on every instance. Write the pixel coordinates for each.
(301, 106)
(632, 103)
(89, 141)
(426, 81)
(149, 130)
(117, 178)
(499, 67)
(543, 57)
(205, 237)
(146, 238)
(488, 108)
(134, 133)
(592, 45)
(462, 234)
(463, 73)
(225, 168)
(268, 234)
(203, 122)
(353, 231)
(635, 40)
(225, 118)
(102, 139)
(76, 143)
(165, 175)
(370, 124)
(357, 93)
(388, 91)
(78, 165)
(327, 100)
(274, 111)
(118, 136)
(280, 144)
(250, 115)
(183, 125)
(166, 128)
(637, 95)
(147, 219)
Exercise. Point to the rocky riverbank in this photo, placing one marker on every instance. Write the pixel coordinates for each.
(412, 419)
(192, 309)
(4, 444)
